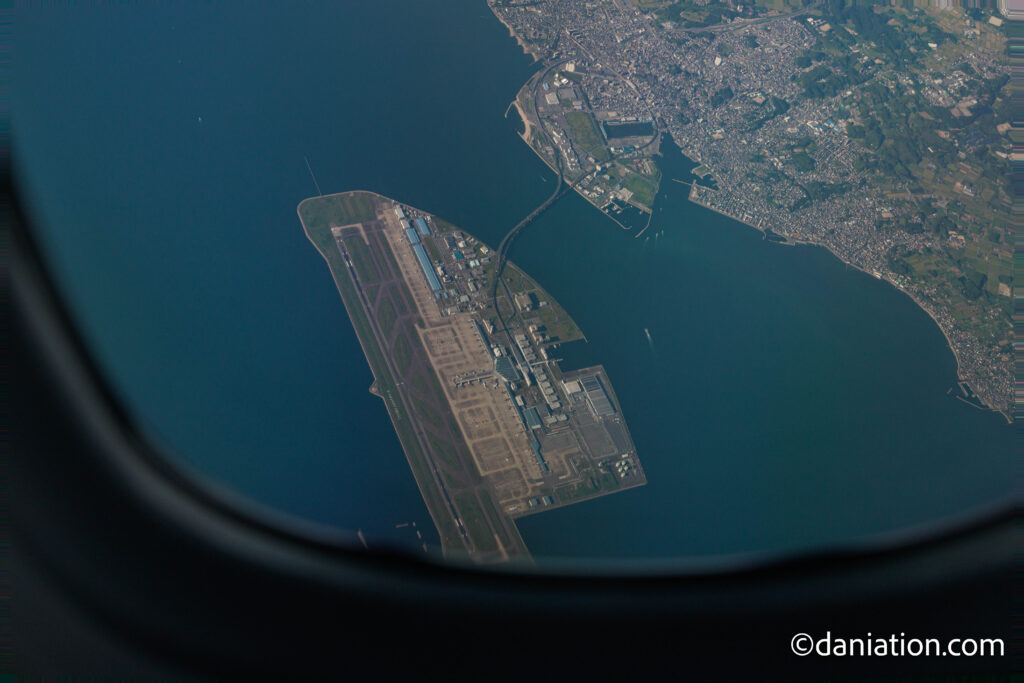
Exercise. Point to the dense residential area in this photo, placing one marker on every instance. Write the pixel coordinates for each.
(878, 132)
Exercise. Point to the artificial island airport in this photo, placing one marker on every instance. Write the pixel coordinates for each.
(462, 347)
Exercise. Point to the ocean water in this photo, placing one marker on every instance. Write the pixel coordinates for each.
(786, 402)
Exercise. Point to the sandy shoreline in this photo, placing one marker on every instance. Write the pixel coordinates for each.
(527, 133)
(522, 43)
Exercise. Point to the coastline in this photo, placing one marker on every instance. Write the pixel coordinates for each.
(533, 52)
(1005, 411)
(527, 136)
(587, 199)
(527, 133)
(792, 242)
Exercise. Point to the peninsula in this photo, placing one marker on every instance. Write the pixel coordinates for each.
(462, 348)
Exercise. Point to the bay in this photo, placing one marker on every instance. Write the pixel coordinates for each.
(787, 402)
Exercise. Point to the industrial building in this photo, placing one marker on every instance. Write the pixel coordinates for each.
(428, 269)
(525, 301)
(597, 397)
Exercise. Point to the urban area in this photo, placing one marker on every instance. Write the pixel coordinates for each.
(880, 132)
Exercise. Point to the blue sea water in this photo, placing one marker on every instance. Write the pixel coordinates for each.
(785, 401)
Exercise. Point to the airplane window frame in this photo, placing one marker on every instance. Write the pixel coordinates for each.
(980, 547)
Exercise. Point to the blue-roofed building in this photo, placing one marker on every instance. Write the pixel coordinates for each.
(421, 225)
(428, 269)
(413, 237)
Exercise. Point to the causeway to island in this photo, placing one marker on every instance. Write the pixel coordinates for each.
(492, 426)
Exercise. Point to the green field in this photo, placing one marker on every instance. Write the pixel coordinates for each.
(393, 265)
(488, 506)
(559, 325)
(558, 322)
(443, 225)
(475, 522)
(401, 353)
(399, 301)
(435, 253)
(361, 259)
(445, 452)
(335, 210)
(643, 189)
(419, 383)
(386, 316)
(428, 414)
(590, 486)
(584, 129)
